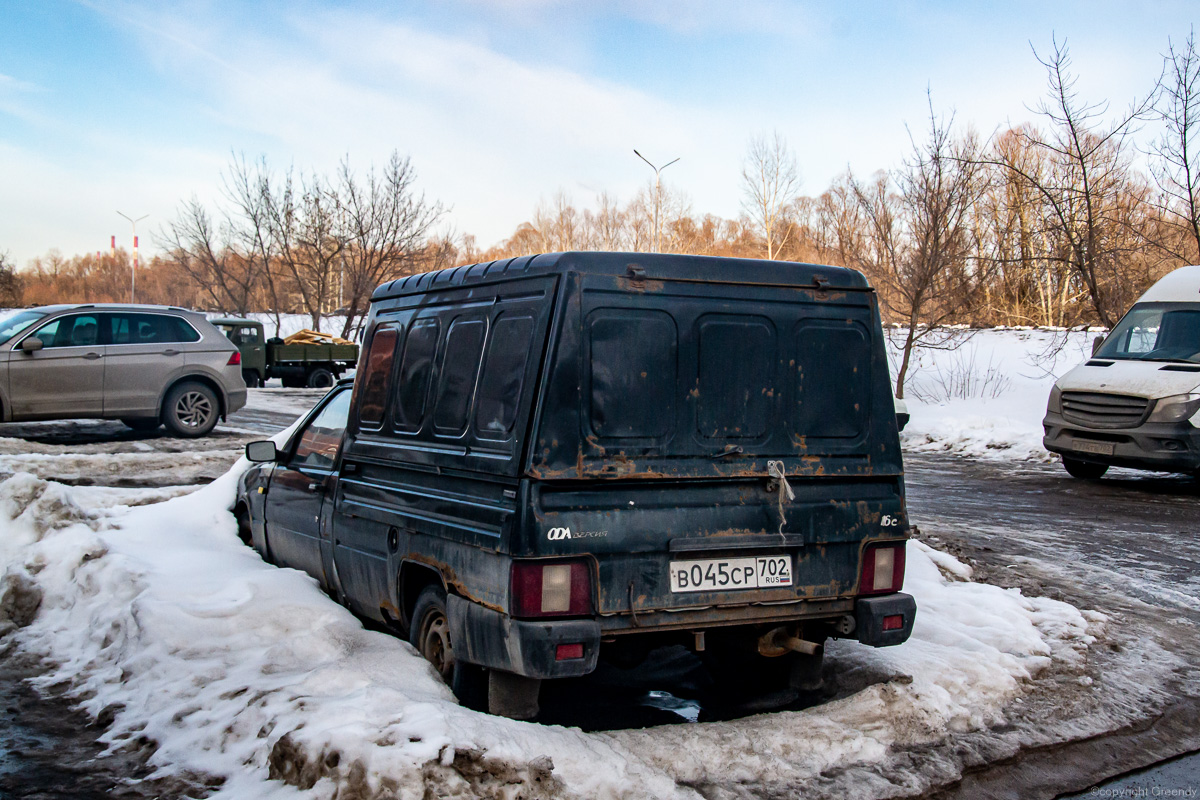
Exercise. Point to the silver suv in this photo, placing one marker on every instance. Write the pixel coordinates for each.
(144, 365)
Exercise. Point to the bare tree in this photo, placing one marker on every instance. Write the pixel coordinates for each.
(202, 249)
(1088, 172)
(1177, 171)
(387, 223)
(249, 189)
(770, 181)
(10, 283)
(308, 225)
(918, 237)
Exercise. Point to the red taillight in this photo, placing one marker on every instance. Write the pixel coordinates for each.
(551, 589)
(882, 569)
(894, 622)
(235, 358)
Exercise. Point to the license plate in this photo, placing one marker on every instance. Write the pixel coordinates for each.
(1087, 446)
(724, 574)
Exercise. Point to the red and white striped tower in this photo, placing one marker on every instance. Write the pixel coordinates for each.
(133, 270)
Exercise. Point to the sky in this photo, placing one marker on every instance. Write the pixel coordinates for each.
(111, 106)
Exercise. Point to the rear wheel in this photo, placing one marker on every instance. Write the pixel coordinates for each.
(191, 409)
(429, 632)
(321, 378)
(251, 379)
(1086, 470)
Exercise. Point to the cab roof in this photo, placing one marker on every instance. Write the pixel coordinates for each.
(1179, 286)
(651, 266)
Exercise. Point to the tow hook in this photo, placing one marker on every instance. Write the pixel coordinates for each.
(780, 641)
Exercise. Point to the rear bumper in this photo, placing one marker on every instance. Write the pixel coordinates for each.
(870, 613)
(235, 400)
(524, 647)
(1166, 446)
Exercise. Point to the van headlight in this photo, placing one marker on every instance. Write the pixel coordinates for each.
(1054, 406)
(1175, 408)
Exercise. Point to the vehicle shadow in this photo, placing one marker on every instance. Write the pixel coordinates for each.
(86, 432)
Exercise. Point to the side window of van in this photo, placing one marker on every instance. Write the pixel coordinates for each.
(832, 380)
(633, 368)
(460, 368)
(376, 377)
(415, 368)
(503, 376)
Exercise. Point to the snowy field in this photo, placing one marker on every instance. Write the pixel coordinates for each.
(986, 397)
(247, 679)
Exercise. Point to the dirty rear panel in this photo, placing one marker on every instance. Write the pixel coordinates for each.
(664, 402)
(673, 379)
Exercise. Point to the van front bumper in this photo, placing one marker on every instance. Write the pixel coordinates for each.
(494, 640)
(1166, 446)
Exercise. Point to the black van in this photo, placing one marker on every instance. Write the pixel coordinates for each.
(549, 460)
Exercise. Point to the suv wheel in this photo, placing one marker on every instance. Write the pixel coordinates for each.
(191, 409)
(1086, 470)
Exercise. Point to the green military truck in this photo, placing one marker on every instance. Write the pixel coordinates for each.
(301, 360)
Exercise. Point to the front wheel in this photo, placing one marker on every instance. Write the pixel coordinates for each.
(191, 409)
(251, 379)
(1086, 470)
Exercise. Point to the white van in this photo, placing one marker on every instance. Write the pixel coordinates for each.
(1136, 401)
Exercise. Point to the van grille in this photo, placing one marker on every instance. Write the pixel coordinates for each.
(1097, 410)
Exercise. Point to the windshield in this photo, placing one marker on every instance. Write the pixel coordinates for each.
(1156, 332)
(12, 325)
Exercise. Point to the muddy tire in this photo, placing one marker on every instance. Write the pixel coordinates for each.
(1085, 470)
(143, 424)
(191, 410)
(251, 379)
(321, 378)
(429, 632)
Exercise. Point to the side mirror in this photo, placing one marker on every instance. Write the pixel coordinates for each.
(1097, 343)
(262, 452)
(31, 344)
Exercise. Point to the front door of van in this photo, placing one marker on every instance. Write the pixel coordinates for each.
(295, 508)
(63, 379)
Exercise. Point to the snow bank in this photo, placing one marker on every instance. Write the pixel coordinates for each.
(986, 399)
(158, 618)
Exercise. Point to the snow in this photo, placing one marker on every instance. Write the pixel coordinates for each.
(987, 397)
(154, 613)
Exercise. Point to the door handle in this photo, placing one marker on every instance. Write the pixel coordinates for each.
(316, 487)
(170, 352)
(91, 356)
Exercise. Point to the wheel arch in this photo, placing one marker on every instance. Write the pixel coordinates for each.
(412, 580)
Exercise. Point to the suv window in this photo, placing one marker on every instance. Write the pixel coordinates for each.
(78, 330)
(149, 329)
(319, 443)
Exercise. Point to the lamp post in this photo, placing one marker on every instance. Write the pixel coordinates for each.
(657, 196)
(133, 270)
